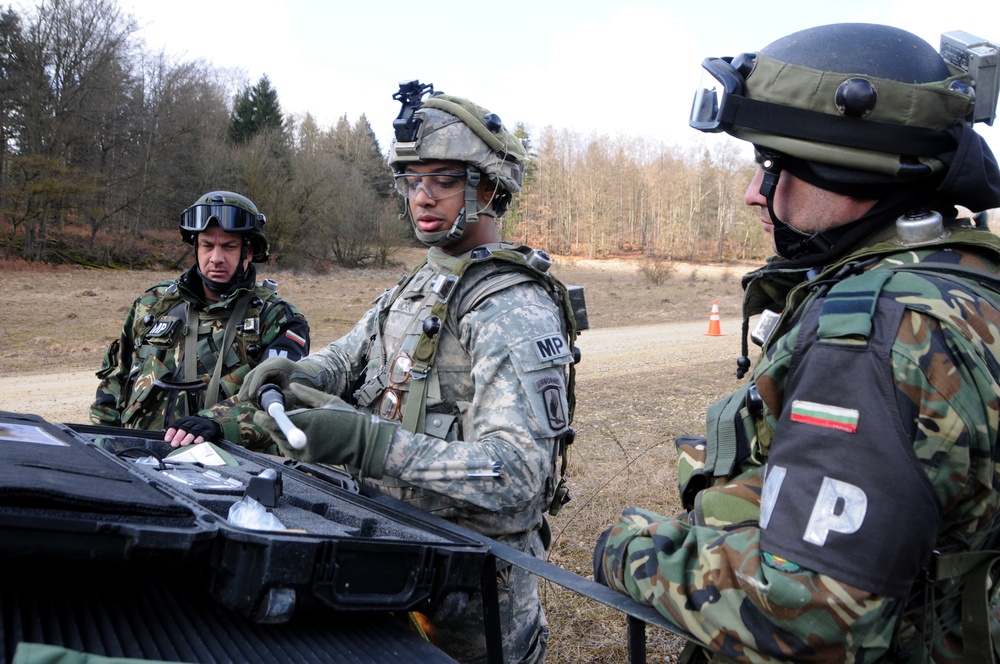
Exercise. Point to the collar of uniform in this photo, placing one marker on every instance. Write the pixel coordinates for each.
(446, 261)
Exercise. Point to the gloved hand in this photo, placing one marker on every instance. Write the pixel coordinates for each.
(282, 372)
(602, 543)
(192, 429)
(335, 432)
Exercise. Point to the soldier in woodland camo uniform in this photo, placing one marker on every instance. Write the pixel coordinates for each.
(166, 365)
(847, 496)
(457, 377)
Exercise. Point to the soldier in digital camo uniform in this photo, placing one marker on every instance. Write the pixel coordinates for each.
(847, 495)
(457, 378)
(166, 366)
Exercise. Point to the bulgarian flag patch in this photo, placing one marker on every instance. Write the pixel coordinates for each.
(296, 338)
(823, 415)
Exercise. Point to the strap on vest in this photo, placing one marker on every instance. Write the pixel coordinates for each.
(721, 448)
(849, 306)
(190, 345)
(415, 412)
(235, 320)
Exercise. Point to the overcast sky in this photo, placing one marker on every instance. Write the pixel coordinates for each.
(613, 67)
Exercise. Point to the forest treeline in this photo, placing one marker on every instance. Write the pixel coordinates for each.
(104, 143)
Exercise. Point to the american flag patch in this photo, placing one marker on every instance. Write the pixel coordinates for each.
(823, 415)
(296, 338)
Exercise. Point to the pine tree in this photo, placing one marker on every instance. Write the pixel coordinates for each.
(255, 109)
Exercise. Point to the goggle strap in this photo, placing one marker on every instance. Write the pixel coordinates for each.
(814, 126)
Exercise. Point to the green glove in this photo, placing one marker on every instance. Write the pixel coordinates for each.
(335, 432)
(282, 372)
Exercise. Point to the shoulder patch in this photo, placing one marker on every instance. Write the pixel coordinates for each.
(551, 390)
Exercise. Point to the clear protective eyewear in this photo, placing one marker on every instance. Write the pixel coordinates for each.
(390, 406)
(434, 185)
(722, 83)
(231, 218)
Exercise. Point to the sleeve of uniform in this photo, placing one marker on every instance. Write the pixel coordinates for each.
(518, 409)
(284, 333)
(715, 586)
(346, 358)
(107, 406)
(840, 545)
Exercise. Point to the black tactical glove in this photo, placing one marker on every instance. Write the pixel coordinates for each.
(195, 427)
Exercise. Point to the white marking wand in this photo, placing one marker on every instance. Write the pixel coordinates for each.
(271, 399)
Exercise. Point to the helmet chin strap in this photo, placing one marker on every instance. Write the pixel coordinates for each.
(789, 242)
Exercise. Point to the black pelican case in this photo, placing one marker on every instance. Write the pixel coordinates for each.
(105, 503)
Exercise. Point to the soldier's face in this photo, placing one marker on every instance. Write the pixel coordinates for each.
(803, 206)
(436, 205)
(219, 253)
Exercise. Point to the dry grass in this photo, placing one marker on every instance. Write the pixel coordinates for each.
(61, 319)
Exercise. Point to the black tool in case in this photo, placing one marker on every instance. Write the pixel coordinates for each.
(107, 503)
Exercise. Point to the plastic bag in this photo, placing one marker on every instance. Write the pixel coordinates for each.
(248, 513)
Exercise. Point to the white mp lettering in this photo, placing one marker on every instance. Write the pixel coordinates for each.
(840, 508)
(769, 494)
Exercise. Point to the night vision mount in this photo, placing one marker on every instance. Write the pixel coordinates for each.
(411, 95)
(980, 58)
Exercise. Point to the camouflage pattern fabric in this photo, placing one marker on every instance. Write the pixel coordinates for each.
(933, 407)
(496, 404)
(152, 348)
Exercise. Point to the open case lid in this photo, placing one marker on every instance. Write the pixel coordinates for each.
(61, 497)
(80, 492)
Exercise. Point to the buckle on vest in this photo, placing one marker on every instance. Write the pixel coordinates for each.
(443, 285)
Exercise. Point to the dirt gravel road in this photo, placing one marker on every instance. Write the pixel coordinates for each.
(609, 355)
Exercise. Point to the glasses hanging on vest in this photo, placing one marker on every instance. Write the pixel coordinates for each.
(390, 406)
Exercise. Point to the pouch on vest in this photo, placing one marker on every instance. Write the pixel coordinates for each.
(691, 475)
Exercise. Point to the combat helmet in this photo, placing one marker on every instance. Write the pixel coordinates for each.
(861, 109)
(234, 214)
(449, 128)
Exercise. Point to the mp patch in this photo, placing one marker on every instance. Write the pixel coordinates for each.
(163, 328)
(551, 347)
(551, 390)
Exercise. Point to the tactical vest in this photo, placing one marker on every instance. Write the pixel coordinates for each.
(181, 387)
(493, 271)
(721, 475)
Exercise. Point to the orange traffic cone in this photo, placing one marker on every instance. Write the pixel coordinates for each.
(714, 328)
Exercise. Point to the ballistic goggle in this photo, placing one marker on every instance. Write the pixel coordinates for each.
(231, 218)
(722, 84)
